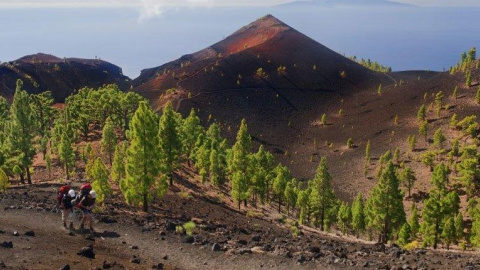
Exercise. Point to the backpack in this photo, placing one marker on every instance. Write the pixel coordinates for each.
(84, 191)
(67, 201)
(61, 192)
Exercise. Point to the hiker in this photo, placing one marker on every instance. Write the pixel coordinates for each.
(84, 191)
(87, 204)
(67, 209)
(61, 195)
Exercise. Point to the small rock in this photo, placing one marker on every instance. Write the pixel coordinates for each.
(108, 220)
(216, 247)
(165, 257)
(2, 265)
(135, 260)
(15, 233)
(170, 226)
(7, 244)
(133, 247)
(158, 266)
(188, 239)
(256, 238)
(87, 252)
(365, 264)
(30, 233)
(242, 251)
(65, 267)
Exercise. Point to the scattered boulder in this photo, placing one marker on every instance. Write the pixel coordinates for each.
(216, 247)
(256, 238)
(158, 266)
(2, 265)
(7, 244)
(170, 226)
(242, 251)
(87, 252)
(108, 220)
(30, 233)
(65, 267)
(165, 257)
(135, 260)
(133, 247)
(188, 239)
(15, 233)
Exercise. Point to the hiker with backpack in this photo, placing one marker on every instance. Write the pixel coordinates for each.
(65, 197)
(87, 204)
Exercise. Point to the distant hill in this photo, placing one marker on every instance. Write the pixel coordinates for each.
(41, 72)
(339, 3)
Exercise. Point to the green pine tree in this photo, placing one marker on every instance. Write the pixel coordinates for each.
(404, 235)
(344, 217)
(100, 180)
(438, 138)
(280, 183)
(191, 130)
(4, 184)
(449, 235)
(22, 126)
(422, 113)
(423, 129)
(358, 215)
(387, 204)
(66, 154)
(170, 143)
(109, 139)
(322, 197)
(118, 165)
(240, 165)
(290, 195)
(142, 159)
(413, 222)
(459, 227)
(408, 178)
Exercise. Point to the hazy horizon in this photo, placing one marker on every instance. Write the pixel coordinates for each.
(429, 38)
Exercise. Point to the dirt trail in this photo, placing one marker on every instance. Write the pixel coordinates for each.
(52, 247)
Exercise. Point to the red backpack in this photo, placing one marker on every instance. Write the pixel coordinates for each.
(85, 188)
(62, 191)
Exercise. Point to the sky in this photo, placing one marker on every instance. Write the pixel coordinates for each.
(149, 9)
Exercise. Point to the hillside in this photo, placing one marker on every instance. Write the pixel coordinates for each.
(42, 72)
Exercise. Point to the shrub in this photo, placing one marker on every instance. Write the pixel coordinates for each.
(189, 227)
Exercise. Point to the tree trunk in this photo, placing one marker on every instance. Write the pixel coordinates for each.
(239, 205)
(145, 203)
(66, 171)
(170, 176)
(22, 179)
(279, 204)
(245, 203)
(110, 157)
(322, 219)
(29, 177)
(435, 240)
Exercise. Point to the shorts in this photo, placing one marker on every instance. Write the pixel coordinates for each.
(68, 215)
(86, 212)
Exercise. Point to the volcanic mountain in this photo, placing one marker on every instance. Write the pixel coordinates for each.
(41, 72)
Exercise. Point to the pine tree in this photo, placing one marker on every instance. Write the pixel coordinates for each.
(109, 139)
(66, 154)
(170, 143)
(367, 152)
(215, 170)
(240, 164)
(100, 183)
(453, 121)
(440, 177)
(20, 139)
(423, 129)
(142, 159)
(290, 195)
(468, 79)
(387, 203)
(412, 142)
(303, 205)
(432, 215)
(396, 155)
(323, 120)
(358, 215)
(322, 198)
(438, 138)
(408, 178)
(4, 184)
(459, 226)
(413, 222)
(455, 93)
(379, 90)
(280, 184)
(118, 165)
(449, 235)
(87, 150)
(422, 113)
(405, 234)
(263, 174)
(344, 216)
(477, 96)
(48, 163)
(191, 130)
(349, 143)
(475, 230)
(439, 102)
